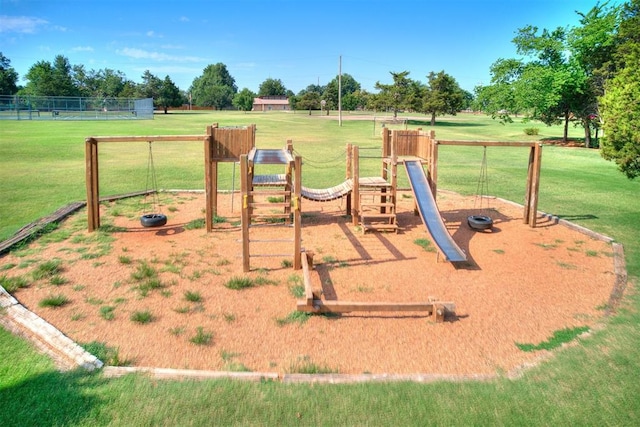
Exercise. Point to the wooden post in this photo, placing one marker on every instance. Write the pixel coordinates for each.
(288, 183)
(92, 183)
(535, 185)
(349, 174)
(297, 214)
(210, 178)
(245, 218)
(433, 167)
(526, 215)
(355, 203)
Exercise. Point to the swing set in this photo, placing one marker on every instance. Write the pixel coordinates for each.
(221, 144)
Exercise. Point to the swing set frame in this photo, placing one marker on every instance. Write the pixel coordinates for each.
(220, 145)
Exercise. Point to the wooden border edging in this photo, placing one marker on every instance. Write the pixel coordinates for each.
(167, 373)
(30, 230)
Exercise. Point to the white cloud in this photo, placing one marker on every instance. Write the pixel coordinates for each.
(184, 19)
(21, 24)
(246, 65)
(82, 49)
(155, 56)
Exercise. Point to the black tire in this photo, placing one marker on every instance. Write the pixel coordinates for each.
(153, 220)
(480, 222)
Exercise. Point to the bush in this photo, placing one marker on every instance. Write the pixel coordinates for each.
(531, 131)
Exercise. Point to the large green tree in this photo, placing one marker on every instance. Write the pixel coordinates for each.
(272, 87)
(348, 84)
(243, 100)
(500, 99)
(169, 95)
(592, 45)
(8, 77)
(443, 95)
(395, 96)
(620, 105)
(214, 88)
(46, 79)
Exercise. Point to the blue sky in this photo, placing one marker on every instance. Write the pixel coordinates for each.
(297, 41)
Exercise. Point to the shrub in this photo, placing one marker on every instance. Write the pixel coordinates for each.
(47, 269)
(12, 284)
(54, 301)
(142, 317)
(201, 337)
(107, 312)
(109, 355)
(531, 131)
(237, 283)
(192, 296)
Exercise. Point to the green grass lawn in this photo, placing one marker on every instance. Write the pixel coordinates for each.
(593, 383)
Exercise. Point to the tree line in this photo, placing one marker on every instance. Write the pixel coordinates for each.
(586, 75)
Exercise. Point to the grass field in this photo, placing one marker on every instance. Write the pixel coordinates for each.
(594, 383)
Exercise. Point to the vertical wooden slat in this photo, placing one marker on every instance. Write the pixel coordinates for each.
(245, 218)
(297, 214)
(210, 186)
(349, 174)
(355, 203)
(433, 172)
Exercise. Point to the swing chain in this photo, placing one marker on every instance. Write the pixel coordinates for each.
(482, 188)
(152, 180)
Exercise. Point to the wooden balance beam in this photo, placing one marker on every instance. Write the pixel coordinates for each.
(312, 303)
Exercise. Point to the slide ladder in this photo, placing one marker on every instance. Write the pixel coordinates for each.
(430, 214)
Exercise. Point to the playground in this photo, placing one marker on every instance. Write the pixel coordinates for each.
(521, 285)
(364, 277)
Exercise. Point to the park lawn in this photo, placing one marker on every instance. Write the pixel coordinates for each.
(594, 382)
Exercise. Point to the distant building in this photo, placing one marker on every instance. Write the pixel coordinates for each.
(271, 103)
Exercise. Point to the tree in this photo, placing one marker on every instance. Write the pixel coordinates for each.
(348, 84)
(308, 101)
(592, 45)
(45, 79)
(169, 95)
(214, 88)
(272, 87)
(40, 81)
(8, 77)
(150, 86)
(63, 77)
(443, 95)
(244, 100)
(619, 105)
(393, 95)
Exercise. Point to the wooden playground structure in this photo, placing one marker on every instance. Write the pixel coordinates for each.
(371, 201)
(221, 144)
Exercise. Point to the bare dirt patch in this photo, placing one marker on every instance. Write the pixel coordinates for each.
(521, 285)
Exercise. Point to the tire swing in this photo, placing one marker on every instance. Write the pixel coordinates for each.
(156, 218)
(481, 221)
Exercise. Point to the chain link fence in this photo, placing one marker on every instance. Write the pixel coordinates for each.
(16, 107)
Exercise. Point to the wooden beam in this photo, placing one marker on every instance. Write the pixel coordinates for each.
(149, 138)
(489, 143)
(320, 306)
(435, 309)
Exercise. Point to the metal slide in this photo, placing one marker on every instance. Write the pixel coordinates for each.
(430, 214)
